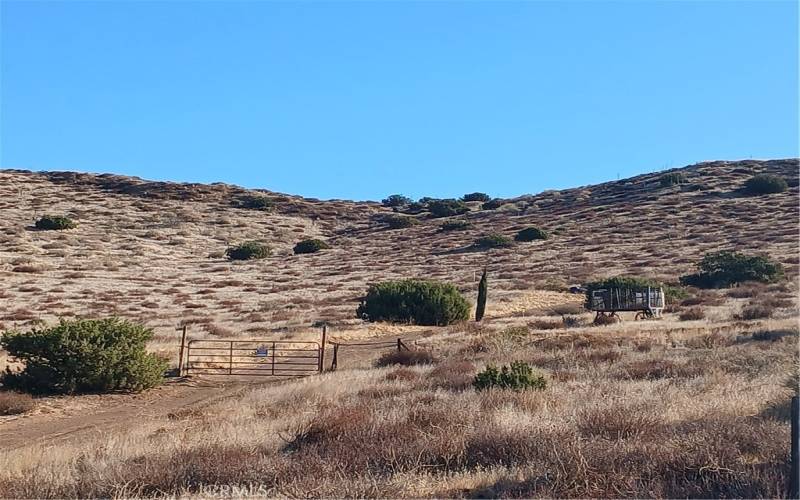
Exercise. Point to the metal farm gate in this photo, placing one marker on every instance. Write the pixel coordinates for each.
(272, 358)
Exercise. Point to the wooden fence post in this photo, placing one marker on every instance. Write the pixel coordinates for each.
(794, 473)
(335, 359)
(180, 359)
(322, 349)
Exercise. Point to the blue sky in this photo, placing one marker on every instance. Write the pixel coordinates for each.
(364, 99)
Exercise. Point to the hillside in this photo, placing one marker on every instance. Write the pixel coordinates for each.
(692, 405)
(153, 251)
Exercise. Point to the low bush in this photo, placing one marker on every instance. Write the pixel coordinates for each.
(399, 221)
(755, 311)
(447, 208)
(455, 225)
(672, 179)
(494, 204)
(421, 302)
(254, 202)
(405, 358)
(692, 314)
(248, 250)
(55, 223)
(15, 403)
(310, 246)
(518, 376)
(494, 241)
(396, 200)
(476, 197)
(531, 234)
(765, 184)
(725, 268)
(83, 356)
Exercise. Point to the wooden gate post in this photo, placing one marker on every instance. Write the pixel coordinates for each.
(794, 473)
(180, 359)
(322, 349)
(335, 359)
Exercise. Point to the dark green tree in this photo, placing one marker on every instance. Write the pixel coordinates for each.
(483, 287)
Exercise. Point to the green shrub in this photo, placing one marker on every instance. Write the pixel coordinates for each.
(83, 356)
(396, 200)
(310, 246)
(399, 221)
(519, 376)
(421, 302)
(531, 234)
(765, 184)
(493, 204)
(55, 223)
(254, 202)
(493, 241)
(476, 197)
(414, 208)
(455, 225)
(248, 250)
(671, 179)
(447, 208)
(725, 268)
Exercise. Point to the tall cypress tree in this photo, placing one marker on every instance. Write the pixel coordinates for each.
(482, 289)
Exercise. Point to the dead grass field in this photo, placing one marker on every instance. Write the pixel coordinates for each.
(695, 405)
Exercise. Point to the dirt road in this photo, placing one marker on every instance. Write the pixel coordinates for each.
(62, 419)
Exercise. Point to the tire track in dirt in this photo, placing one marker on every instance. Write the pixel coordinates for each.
(48, 428)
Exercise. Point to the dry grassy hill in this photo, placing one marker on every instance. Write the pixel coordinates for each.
(153, 251)
(694, 405)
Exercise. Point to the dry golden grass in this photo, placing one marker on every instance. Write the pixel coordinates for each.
(693, 405)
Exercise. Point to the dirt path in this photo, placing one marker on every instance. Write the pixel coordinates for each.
(63, 419)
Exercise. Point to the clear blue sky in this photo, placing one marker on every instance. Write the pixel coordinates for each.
(364, 99)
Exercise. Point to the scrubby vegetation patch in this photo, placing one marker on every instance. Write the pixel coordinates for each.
(765, 184)
(518, 376)
(531, 234)
(494, 240)
(55, 223)
(83, 356)
(726, 268)
(248, 251)
(310, 246)
(421, 302)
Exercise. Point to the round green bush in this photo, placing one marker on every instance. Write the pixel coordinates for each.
(455, 225)
(83, 356)
(447, 208)
(310, 246)
(493, 204)
(519, 376)
(725, 268)
(399, 221)
(494, 241)
(254, 202)
(396, 200)
(248, 250)
(420, 302)
(765, 184)
(531, 234)
(55, 223)
(476, 197)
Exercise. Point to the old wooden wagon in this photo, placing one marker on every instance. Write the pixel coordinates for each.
(647, 302)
